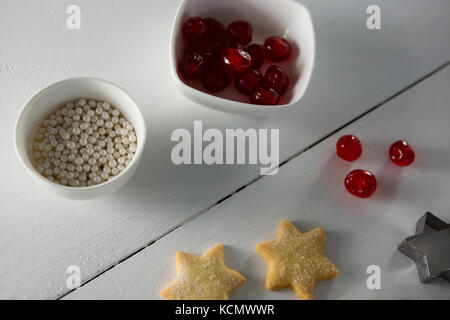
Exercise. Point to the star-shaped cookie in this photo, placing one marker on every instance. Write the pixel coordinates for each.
(296, 259)
(202, 278)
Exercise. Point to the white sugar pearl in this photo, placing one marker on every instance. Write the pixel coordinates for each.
(86, 168)
(132, 138)
(70, 167)
(132, 147)
(97, 180)
(102, 160)
(112, 163)
(114, 171)
(81, 102)
(115, 120)
(104, 176)
(79, 161)
(92, 103)
(107, 170)
(76, 117)
(94, 168)
(79, 111)
(116, 113)
(92, 161)
(130, 155)
(121, 160)
(70, 145)
(79, 168)
(105, 115)
(120, 167)
(106, 106)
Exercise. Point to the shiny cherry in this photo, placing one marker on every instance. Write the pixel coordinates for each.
(277, 49)
(361, 183)
(193, 60)
(401, 153)
(246, 82)
(241, 31)
(214, 30)
(264, 95)
(349, 147)
(237, 60)
(256, 52)
(194, 29)
(215, 76)
(276, 78)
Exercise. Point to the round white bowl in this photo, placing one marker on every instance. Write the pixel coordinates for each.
(57, 95)
(285, 18)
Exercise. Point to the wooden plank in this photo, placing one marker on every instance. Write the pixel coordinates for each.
(40, 235)
(309, 191)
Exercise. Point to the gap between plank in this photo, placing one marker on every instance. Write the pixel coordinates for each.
(290, 158)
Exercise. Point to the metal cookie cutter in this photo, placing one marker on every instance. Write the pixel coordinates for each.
(429, 248)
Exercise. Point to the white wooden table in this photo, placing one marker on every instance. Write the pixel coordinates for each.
(382, 85)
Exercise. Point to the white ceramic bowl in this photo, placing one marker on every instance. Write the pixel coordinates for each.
(285, 18)
(57, 95)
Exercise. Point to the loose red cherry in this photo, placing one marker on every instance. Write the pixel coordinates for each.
(194, 29)
(276, 78)
(349, 147)
(215, 76)
(237, 60)
(361, 183)
(241, 32)
(214, 29)
(248, 81)
(256, 52)
(277, 49)
(401, 153)
(264, 96)
(193, 60)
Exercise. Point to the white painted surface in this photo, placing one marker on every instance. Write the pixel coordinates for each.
(40, 235)
(309, 191)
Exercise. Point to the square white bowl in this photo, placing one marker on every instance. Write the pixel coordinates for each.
(285, 18)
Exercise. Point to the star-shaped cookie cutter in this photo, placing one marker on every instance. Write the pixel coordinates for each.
(429, 248)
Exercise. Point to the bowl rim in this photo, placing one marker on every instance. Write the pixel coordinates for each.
(52, 184)
(248, 106)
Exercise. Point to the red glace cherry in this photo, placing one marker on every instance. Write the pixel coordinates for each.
(237, 60)
(264, 95)
(349, 148)
(401, 153)
(248, 81)
(241, 32)
(193, 60)
(214, 29)
(215, 76)
(276, 78)
(256, 52)
(194, 29)
(277, 49)
(361, 183)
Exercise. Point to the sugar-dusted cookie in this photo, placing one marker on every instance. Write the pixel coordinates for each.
(296, 259)
(202, 278)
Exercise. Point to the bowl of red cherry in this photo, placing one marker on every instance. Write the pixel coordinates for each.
(245, 56)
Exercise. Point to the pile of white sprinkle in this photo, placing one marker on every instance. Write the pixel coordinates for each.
(84, 143)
